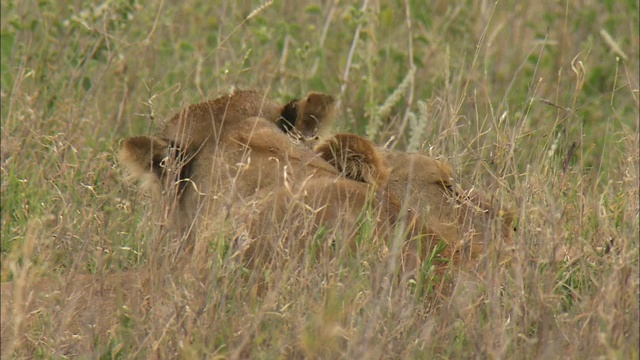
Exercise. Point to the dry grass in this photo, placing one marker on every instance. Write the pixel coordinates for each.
(534, 102)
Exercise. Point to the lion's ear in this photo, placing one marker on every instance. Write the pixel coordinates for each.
(445, 177)
(316, 114)
(144, 155)
(152, 159)
(288, 116)
(311, 116)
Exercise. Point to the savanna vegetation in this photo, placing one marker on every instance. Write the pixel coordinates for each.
(534, 103)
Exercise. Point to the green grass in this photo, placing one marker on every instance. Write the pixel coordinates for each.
(534, 102)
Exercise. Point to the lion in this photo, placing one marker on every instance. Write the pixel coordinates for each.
(249, 160)
(464, 219)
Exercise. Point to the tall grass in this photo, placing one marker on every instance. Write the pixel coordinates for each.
(536, 103)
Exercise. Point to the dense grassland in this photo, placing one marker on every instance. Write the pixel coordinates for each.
(536, 103)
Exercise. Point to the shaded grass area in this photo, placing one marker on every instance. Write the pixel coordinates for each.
(537, 104)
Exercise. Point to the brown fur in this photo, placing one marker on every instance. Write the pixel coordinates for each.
(355, 157)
